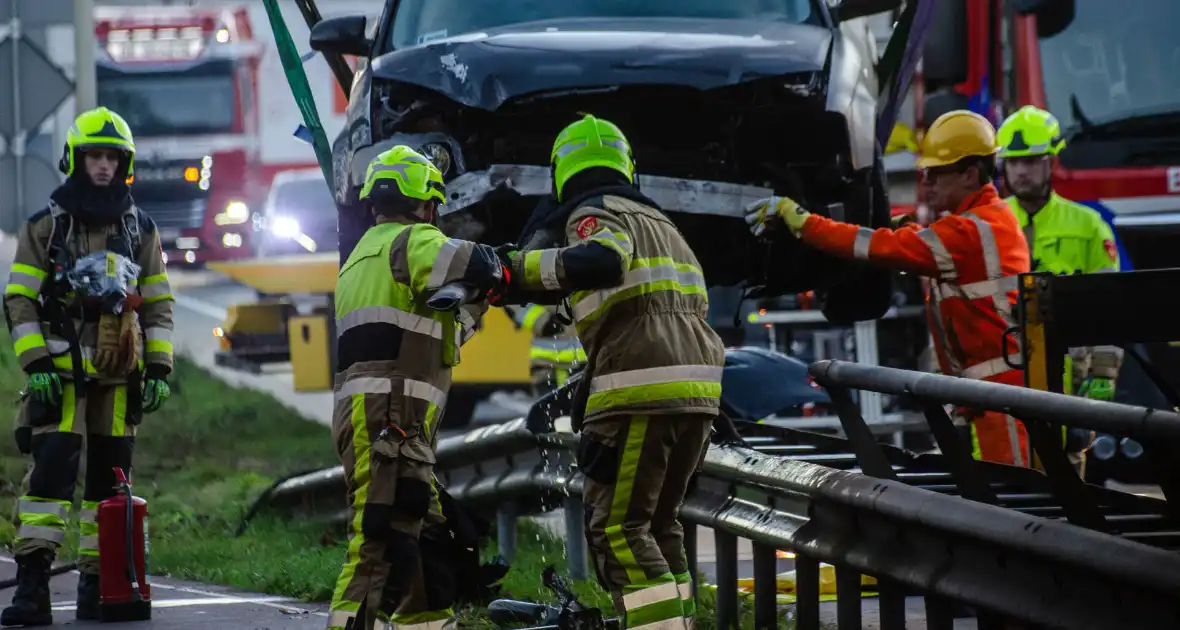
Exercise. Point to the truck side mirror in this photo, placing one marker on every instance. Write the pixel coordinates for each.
(852, 9)
(341, 35)
(1053, 16)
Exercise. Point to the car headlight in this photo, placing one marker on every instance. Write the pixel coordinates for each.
(285, 227)
(437, 152)
(235, 212)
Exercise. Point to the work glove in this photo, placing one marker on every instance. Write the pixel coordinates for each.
(760, 214)
(1097, 388)
(119, 343)
(45, 388)
(901, 221)
(155, 392)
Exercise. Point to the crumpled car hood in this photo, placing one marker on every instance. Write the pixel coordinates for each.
(485, 70)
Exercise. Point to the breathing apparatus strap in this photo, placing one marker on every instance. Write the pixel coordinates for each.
(60, 260)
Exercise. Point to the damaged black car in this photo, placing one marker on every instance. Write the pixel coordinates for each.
(723, 103)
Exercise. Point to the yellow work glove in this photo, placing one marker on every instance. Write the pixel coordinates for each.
(760, 213)
(117, 351)
(901, 220)
(106, 351)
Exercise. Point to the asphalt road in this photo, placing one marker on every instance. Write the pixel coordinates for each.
(180, 605)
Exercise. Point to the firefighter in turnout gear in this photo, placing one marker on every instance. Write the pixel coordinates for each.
(970, 258)
(81, 386)
(652, 383)
(1064, 238)
(555, 352)
(395, 356)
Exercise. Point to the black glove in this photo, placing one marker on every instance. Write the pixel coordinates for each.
(491, 271)
(552, 327)
(503, 252)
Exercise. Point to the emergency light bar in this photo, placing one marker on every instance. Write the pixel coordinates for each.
(143, 44)
(165, 35)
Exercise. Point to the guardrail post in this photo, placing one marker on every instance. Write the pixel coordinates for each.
(891, 603)
(868, 453)
(848, 603)
(939, 613)
(963, 467)
(506, 530)
(727, 577)
(806, 592)
(690, 552)
(765, 587)
(575, 537)
(1045, 441)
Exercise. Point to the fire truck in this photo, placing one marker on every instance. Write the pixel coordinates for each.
(184, 79)
(214, 121)
(1106, 70)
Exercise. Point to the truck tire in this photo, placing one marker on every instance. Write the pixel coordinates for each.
(867, 292)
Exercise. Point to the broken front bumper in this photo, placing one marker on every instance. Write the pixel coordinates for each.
(672, 194)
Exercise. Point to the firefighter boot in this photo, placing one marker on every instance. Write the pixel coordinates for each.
(88, 597)
(30, 604)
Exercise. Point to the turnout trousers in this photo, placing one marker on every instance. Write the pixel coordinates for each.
(395, 509)
(996, 436)
(104, 422)
(637, 470)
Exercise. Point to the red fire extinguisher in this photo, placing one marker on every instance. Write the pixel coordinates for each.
(125, 593)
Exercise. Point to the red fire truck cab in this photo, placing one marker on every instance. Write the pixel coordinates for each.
(185, 80)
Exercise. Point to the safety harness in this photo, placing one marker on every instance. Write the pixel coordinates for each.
(125, 242)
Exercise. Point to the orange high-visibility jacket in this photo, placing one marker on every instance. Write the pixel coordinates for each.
(972, 258)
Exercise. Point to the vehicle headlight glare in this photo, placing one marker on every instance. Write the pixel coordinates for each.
(237, 212)
(285, 227)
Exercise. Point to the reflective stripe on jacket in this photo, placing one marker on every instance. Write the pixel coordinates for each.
(388, 340)
(561, 350)
(40, 345)
(1067, 238)
(650, 348)
(972, 259)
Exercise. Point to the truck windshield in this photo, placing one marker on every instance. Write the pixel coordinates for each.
(305, 198)
(1117, 59)
(168, 104)
(420, 21)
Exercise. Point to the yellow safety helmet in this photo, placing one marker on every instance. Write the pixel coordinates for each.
(98, 128)
(588, 143)
(1028, 132)
(403, 172)
(956, 135)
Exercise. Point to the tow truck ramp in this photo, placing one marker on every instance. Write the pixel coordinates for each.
(1007, 544)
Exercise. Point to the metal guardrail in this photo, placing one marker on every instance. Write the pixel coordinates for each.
(1043, 414)
(787, 489)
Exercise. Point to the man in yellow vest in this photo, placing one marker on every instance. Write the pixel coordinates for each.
(1064, 237)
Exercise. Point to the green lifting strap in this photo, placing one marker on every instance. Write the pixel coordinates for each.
(300, 89)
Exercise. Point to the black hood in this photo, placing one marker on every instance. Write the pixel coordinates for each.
(94, 205)
(486, 72)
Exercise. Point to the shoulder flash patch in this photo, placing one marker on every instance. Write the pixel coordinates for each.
(1111, 250)
(586, 227)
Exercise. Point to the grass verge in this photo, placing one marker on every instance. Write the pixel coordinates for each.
(203, 458)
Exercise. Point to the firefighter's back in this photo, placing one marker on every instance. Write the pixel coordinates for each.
(648, 340)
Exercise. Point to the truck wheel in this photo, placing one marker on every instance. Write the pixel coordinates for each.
(867, 293)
